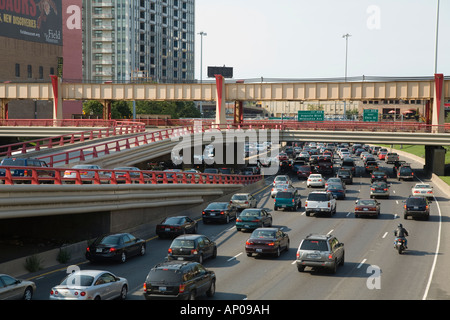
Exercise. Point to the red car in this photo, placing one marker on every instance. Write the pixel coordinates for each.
(382, 155)
(369, 207)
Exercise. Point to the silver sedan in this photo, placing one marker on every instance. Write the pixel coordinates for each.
(15, 289)
(90, 285)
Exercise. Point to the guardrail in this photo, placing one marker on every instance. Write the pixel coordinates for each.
(59, 176)
(118, 128)
(57, 123)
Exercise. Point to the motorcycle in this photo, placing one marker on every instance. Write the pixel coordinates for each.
(400, 244)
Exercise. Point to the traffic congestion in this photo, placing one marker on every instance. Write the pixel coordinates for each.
(323, 195)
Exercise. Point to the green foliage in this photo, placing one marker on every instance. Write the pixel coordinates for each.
(63, 256)
(33, 263)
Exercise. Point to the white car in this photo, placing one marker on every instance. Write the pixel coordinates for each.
(90, 285)
(315, 180)
(86, 171)
(282, 179)
(243, 201)
(422, 189)
(280, 187)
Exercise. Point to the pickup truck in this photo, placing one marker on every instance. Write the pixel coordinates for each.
(287, 200)
(319, 202)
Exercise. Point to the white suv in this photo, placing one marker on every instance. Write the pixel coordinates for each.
(320, 202)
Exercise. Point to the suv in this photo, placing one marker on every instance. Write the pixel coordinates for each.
(287, 200)
(391, 157)
(405, 172)
(179, 280)
(321, 251)
(416, 206)
(371, 166)
(320, 202)
(47, 174)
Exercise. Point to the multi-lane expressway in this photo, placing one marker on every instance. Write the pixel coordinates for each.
(372, 269)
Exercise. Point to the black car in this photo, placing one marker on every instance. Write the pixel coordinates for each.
(195, 247)
(345, 175)
(175, 226)
(44, 173)
(219, 211)
(267, 241)
(378, 175)
(303, 172)
(118, 247)
(417, 207)
(179, 280)
(405, 172)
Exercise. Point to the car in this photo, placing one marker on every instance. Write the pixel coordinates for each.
(320, 251)
(282, 179)
(371, 166)
(192, 247)
(219, 211)
(282, 156)
(315, 180)
(336, 189)
(349, 163)
(382, 155)
(391, 157)
(243, 201)
(397, 165)
(378, 175)
(335, 180)
(405, 172)
(117, 247)
(303, 172)
(287, 200)
(90, 285)
(44, 175)
(319, 202)
(416, 207)
(324, 166)
(131, 173)
(87, 173)
(16, 289)
(250, 219)
(267, 241)
(379, 189)
(423, 190)
(179, 280)
(175, 226)
(367, 207)
(345, 175)
(280, 187)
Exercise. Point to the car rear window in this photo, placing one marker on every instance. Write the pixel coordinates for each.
(317, 197)
(316, 245)
(183, 243)
(164, 274)
(415, 201)
(217, 206)
(285, 195)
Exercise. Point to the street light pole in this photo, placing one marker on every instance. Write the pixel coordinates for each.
(346, 36)
(201, 33)
(437, 38)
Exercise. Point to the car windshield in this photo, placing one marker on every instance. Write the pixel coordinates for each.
(250, 213)
(263, 234)
(317, 197)
(13, 162)
(285, 195)
(174, 220)
(109, 240)
(316, 245)
(217, 206)
(164, 275)
(183, 243)
(78, 280)
(239, 197)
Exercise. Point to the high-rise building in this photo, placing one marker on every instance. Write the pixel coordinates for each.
(139, 40)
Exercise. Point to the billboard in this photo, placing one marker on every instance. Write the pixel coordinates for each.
(226, 72)
(32, 20)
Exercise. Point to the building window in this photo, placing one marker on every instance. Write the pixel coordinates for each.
(17, 70)
(30, 71)
(41, 72)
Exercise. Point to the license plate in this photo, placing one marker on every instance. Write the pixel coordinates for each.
(246, 226)
(313, 256)
(98, 250)
(167, 229)
(258, 250)
(162, 288)
(366, 209)
(180, 258)
(416, 207)
(212, 214)
(283, 206)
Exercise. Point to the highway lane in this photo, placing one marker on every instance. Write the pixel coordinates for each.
(368, 243)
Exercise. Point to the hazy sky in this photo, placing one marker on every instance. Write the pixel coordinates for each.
(303, 39)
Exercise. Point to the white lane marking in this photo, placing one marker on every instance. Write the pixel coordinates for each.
(330, 231)
(384, 236)
(235, 257)
(361, 264)
(349, 214)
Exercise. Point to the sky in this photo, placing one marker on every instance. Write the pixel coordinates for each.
(304, 39)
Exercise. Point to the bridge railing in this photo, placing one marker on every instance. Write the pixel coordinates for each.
(118, 128)
(57, 123)
(59, 176)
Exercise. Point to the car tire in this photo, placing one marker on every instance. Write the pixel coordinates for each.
(214, 253)
(28, 294)
(212, 289)
(123, 257)
(142, 251)
(278, 253)
(200, 259)
(301, 268)
(123, 293)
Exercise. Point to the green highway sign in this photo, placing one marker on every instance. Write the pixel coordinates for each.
(370, 115)
(311, 115)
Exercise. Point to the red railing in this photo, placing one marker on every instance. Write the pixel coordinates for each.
(119, 128)
(57, 123)
(59, 176)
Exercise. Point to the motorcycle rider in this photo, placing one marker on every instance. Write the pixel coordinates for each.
(401, 232)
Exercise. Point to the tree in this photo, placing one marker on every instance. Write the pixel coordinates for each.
(93, 108)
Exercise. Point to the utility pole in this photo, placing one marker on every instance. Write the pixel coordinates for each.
(201, 33)
(346, 36)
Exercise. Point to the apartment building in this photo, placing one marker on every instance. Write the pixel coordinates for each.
(138, 40)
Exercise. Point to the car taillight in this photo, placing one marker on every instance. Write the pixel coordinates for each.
(329, 204)
(203, 212)
(248, 243)
(271, 244)
(170, 250)
(298, 254)
(181, 288)
(88, 249)
(112, 249)
(306, 204)
(144, 287)
(238, 220)
(330, 257)
(293, 201)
